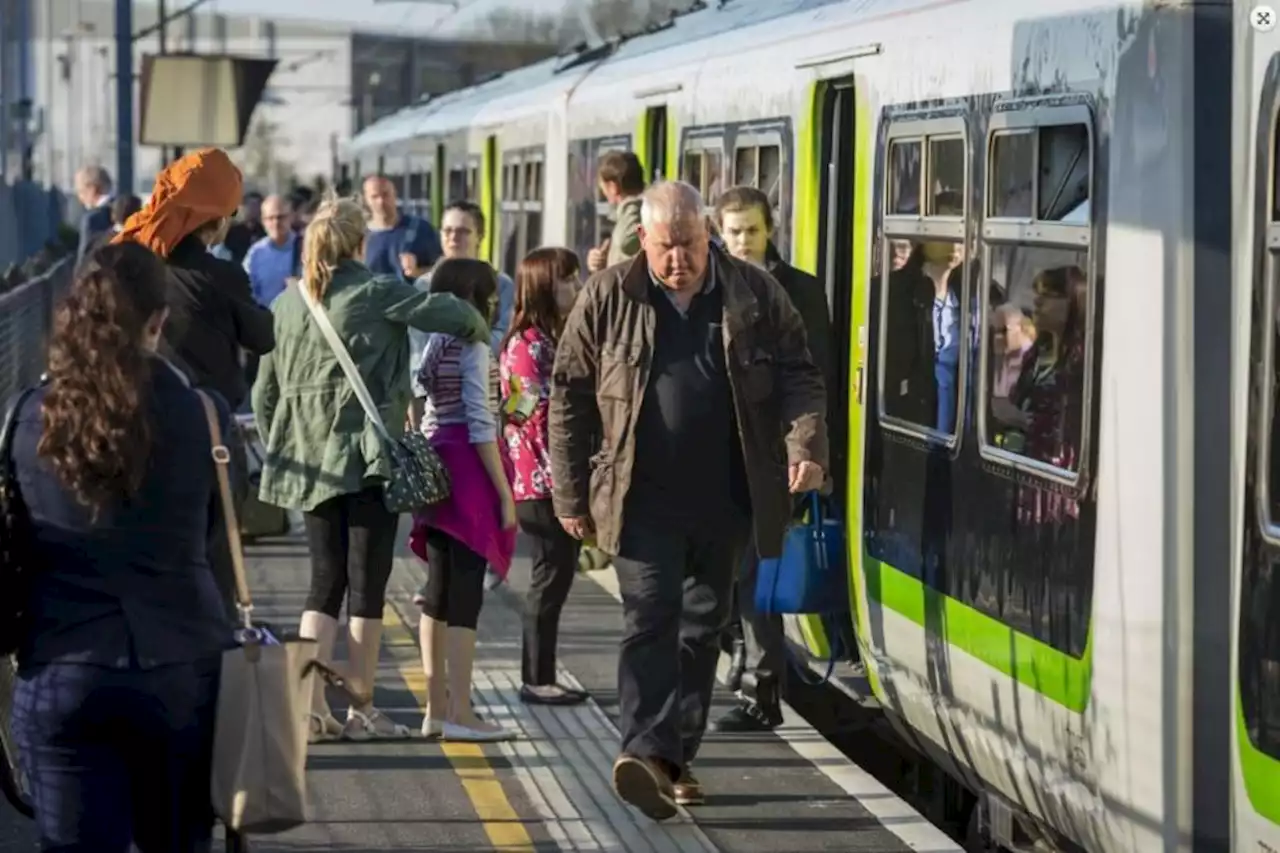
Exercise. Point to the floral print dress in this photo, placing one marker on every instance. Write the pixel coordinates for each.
(529, 356)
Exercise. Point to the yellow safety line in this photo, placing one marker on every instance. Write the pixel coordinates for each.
(502, 824)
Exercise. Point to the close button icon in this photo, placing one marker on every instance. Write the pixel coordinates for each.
(1263, 19)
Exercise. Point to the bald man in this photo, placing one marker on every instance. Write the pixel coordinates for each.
(690, 368)
(398, 244)
(93, 190)
(277, 257)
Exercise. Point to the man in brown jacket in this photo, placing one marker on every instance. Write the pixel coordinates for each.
(684, 408)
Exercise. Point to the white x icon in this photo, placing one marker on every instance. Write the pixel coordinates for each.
(1263, 19)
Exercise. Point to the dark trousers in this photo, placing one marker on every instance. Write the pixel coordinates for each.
(454, 592)
(763, 636)
(118, 756)
(676, 589)
(352, 539)
(555, 563)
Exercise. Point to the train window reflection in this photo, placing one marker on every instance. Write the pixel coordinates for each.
(458, 184)
(904, 177)
(1012, 175)
(946, 176)
(922, 333)
(760, 166)
(1063, 173)
(520, 221)
(1035, 336)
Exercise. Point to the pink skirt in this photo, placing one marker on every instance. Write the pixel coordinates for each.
(473, 512)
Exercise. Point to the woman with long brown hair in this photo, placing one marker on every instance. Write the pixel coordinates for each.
(546, 286)
(118, 672)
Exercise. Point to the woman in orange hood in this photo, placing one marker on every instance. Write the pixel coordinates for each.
(213, 318)
(197, 193)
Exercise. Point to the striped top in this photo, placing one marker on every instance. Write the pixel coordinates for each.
(460, 381)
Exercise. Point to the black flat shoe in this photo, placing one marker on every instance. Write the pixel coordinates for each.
(564, 696)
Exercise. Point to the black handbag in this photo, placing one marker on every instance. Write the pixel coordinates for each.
(16, 539)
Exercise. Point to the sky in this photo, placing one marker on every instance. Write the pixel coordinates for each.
(409, 15)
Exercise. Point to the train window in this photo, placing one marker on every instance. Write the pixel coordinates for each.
(1036, 316)
(1012, 170)
(923, 308)
(457, 184)
(904, 177)
(473, 183)
(760, 166)
(703, 167)
(946, 177)
(520, 223)
(590, 216)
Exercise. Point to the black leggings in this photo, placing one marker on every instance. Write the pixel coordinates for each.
(455, 581)
(353, 542)
(555, 564)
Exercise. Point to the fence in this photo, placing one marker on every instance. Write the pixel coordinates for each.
(26, 316)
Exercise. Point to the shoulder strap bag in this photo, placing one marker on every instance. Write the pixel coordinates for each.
(418, 477)
(258, 784)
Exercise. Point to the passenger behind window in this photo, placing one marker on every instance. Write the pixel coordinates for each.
(923, 340)
(113, 709)
(1049, 390)
(476, 524)
(1013, 334)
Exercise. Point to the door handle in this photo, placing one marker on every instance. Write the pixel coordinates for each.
(860, 384)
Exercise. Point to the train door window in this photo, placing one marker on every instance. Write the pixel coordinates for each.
(923, 304)
(656, 142)
(473, 179)
(703, 165)
(1259, 617)
(457, 184)
(520, 222)
(1037, 296)
(758, 162)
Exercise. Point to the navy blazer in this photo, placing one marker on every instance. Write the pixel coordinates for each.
(93, 224)
(134, 589)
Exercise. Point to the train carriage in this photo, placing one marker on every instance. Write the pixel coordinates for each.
(1041, 599)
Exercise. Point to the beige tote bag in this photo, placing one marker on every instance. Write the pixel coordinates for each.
(260, 737)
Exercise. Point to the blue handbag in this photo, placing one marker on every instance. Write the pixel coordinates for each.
(809, 576)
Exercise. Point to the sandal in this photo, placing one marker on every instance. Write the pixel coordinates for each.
(323, 728)
(373, 725)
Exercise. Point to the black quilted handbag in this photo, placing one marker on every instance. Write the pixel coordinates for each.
(17, 550)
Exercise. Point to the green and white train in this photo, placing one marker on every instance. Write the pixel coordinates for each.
(1063, 570)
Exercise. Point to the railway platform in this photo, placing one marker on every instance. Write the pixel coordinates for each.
(550, 790)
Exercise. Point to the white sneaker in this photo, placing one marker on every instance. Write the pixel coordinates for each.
(465, 734)
(432, 728)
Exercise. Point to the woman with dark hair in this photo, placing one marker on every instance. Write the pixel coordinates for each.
(118, 675)
(546, 287)
(476, 524)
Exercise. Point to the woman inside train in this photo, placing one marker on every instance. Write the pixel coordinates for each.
(547, 284)
(1013, 333)
(113, 707)
(476, 524)
(323, 455)
(1048, 388)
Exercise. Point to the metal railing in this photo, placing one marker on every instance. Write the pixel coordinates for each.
(26, 318)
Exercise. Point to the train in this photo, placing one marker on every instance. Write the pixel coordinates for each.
(1071, 609)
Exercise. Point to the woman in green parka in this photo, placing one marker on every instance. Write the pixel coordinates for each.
(323, 457)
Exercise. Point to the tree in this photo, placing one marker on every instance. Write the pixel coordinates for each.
(611, 18)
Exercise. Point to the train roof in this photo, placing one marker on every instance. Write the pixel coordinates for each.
(531, 88)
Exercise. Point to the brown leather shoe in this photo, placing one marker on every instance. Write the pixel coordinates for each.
(642, 783)
(688, 790)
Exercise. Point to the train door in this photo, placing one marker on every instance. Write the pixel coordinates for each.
(835, 269)
(1257, 672)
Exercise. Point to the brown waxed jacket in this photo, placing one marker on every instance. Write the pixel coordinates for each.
(602, 368)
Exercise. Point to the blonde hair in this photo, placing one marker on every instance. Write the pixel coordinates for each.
(334, 235)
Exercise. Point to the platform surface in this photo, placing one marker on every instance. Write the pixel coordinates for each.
(550, 790)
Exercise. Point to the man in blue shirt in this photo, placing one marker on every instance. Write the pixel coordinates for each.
(402, 245)
(273, 260)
